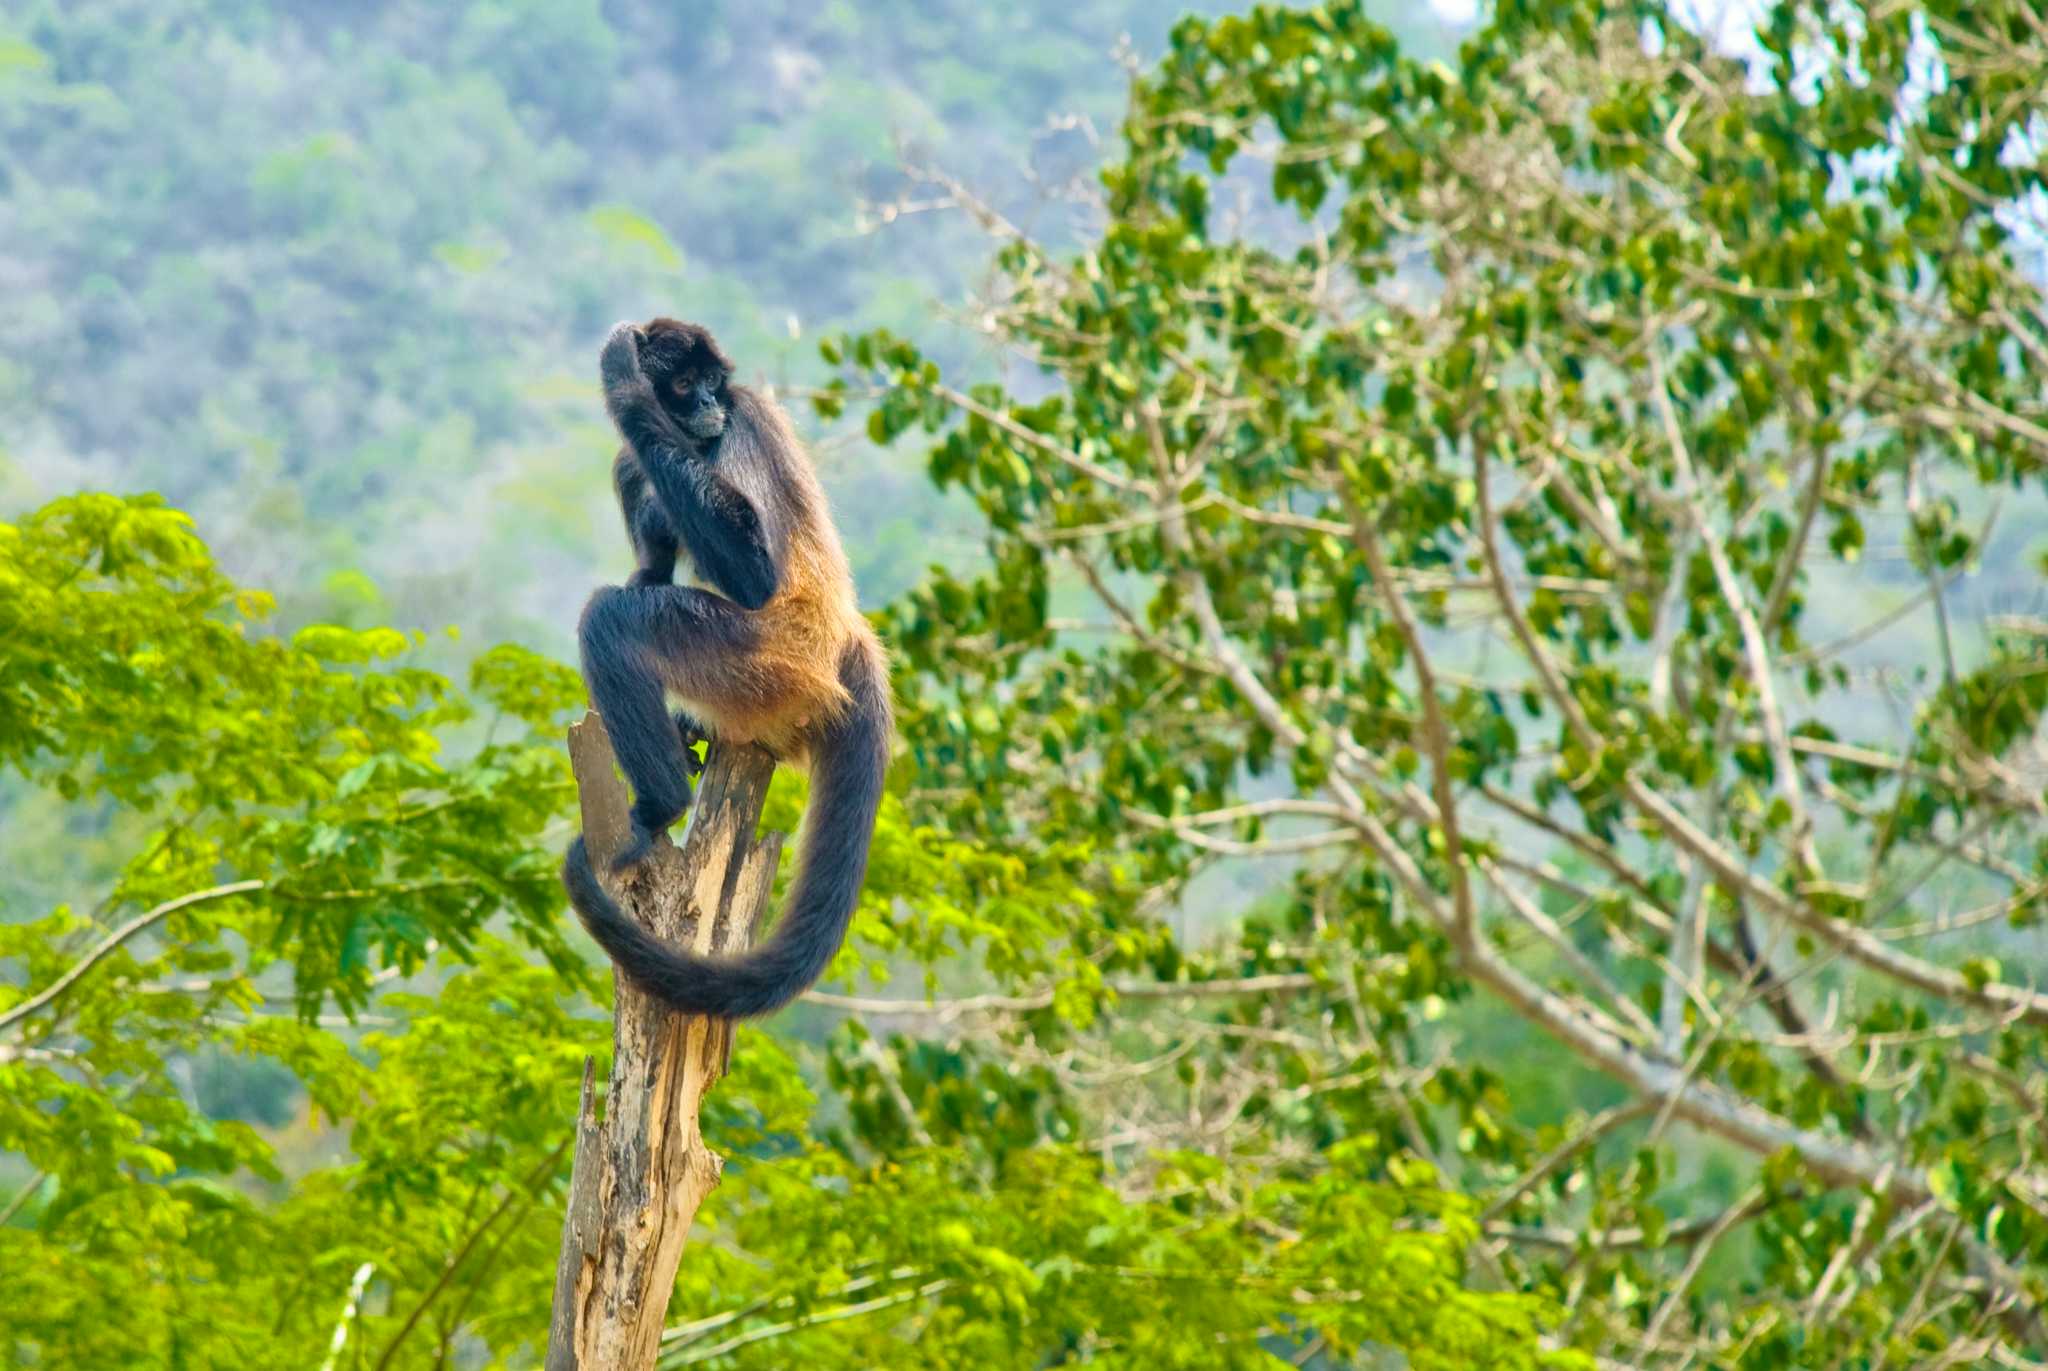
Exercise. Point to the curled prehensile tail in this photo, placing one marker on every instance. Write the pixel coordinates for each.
(849, 758)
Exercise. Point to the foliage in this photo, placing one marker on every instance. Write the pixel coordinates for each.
(294, 832)
(1037, 1258)
(1543, 514)
(291, 809)
(137, 682)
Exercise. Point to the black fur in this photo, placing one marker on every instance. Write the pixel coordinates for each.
(849, 760)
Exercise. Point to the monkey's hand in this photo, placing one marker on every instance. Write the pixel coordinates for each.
(620, 364)
(630, 399)
(692, 733)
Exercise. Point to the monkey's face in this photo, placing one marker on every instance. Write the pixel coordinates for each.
(690, 375)
(696, 397)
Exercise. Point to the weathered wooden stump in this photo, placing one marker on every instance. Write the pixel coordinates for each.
(641, 1173)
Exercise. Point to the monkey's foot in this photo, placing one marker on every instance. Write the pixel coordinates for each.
(637, 850)
(646, 825)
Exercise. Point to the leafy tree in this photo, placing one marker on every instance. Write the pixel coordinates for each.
(1543, 506)
(294, 838)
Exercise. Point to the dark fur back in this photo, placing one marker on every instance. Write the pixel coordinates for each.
(849, 760)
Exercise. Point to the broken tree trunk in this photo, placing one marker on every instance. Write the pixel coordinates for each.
(641, 1173)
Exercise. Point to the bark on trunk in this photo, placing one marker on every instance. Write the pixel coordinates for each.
(641, 1173)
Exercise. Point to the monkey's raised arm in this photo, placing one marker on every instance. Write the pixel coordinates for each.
(706, 501)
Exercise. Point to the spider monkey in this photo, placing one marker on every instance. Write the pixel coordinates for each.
(770, 649)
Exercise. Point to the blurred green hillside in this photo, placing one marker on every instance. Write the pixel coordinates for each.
(331, 276)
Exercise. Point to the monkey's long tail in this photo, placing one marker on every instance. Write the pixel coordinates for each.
(847, 768)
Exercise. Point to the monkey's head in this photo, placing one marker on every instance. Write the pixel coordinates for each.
(690, 374)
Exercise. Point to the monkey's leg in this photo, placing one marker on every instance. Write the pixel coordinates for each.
(635, 641)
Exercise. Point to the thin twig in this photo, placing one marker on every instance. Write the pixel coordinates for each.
(448, 1268)
(946, 1010)
(22, 1197)
(115, 939)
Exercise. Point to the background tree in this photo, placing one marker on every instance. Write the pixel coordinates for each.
(1537, 504)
